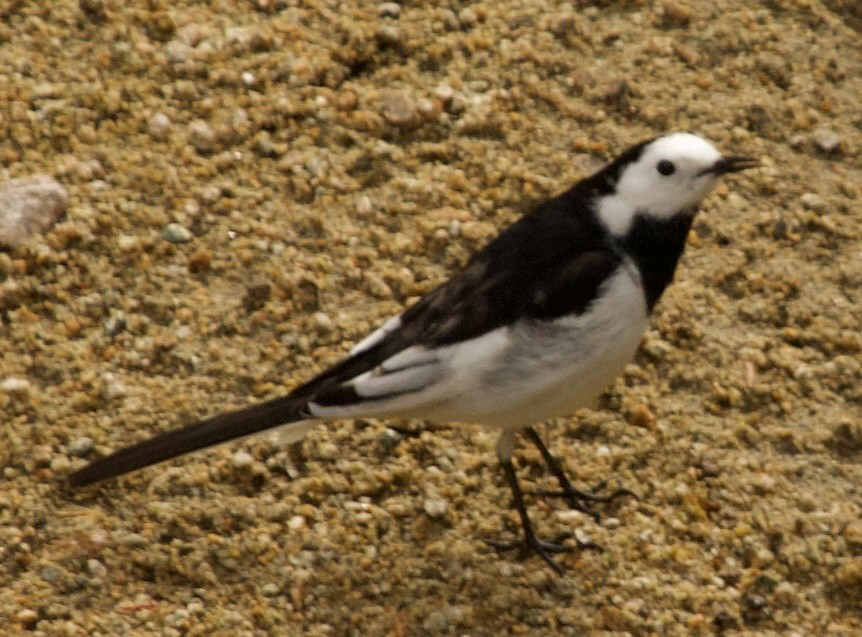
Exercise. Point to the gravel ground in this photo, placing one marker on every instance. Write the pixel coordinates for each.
(254, 185)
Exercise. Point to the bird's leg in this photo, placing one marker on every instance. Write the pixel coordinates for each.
(576, 498)
(543, 548)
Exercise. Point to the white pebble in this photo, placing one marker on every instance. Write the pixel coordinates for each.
(570, 516)
(435, 507)
(80, 447)
(112, 387)
(13, 385)
(201, 136)
(159, 126)
(364, 205)
(389, 10)
(323, 322)
(96, 568)
(29, 206)
(467, 17)
(444, 93)
(826, 140)
(242, 459)
(176, 233)
(127, 242)
(812, 201)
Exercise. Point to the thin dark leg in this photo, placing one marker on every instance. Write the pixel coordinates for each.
(576, 498)
(543, 548)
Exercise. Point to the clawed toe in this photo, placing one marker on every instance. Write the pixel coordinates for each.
(578, 499)
(543, 548)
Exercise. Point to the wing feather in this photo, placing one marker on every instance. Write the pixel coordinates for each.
(507, 281)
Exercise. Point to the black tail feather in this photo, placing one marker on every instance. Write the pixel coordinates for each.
(205, 433)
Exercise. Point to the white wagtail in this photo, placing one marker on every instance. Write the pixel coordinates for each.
(536, 325)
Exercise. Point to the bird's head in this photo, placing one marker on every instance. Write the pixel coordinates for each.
(662, 178)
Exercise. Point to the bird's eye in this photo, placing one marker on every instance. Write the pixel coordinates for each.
(666, 167)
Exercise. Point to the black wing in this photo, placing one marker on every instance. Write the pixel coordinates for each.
(548, 264)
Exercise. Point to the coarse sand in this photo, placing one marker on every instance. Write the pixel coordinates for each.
(253, 185)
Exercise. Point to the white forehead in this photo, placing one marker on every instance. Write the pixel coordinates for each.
(682, 147)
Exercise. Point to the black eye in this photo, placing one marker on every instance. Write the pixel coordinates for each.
(666, 167)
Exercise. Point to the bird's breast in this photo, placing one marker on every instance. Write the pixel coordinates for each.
(538, 369)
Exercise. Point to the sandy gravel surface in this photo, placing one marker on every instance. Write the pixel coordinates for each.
(255, 184)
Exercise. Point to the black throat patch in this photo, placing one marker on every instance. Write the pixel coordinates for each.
(656, 246)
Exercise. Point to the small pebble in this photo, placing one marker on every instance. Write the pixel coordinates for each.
(444, 93)
(202, 136)
(115, 324)
(389, 10)
(323, 322)
(327, 450)
(389, 439)
(390, 35)
(676, 15)
(398, 109)
(178, 52)
(176, 233)
(29, 206)
(177, 618)
(242, 459)
(364, 206)
(128, 242)
(133, 540)
(467, 17)
(853, 535)
(450, 19)
(435, 507)
(812, 201)
(27, 617)
(159, 126)
(264, 145)
(60, 464)
(80, 447)
(827, 140)
(96, 568)
(112, 387)
(437, 622)
(13, 385)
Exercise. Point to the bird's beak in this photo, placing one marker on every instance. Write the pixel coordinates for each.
(730, 164)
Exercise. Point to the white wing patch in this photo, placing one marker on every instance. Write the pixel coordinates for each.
(509, 377)
(377, 335)
(408, 378)
(415, 381)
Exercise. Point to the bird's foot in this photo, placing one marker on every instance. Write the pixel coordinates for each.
(543, 548)
(547, 548)
(578, 499)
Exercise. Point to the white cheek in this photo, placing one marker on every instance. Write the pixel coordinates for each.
(615, 214)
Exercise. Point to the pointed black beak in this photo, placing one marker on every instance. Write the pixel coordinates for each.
(730, 164)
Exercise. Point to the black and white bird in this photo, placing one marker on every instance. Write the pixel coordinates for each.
(536, 325)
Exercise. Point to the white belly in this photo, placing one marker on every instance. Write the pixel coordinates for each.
(543, 369)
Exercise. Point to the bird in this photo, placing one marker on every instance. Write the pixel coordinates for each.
(536, 325)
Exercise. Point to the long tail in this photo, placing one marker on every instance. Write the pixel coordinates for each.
(205, 433)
